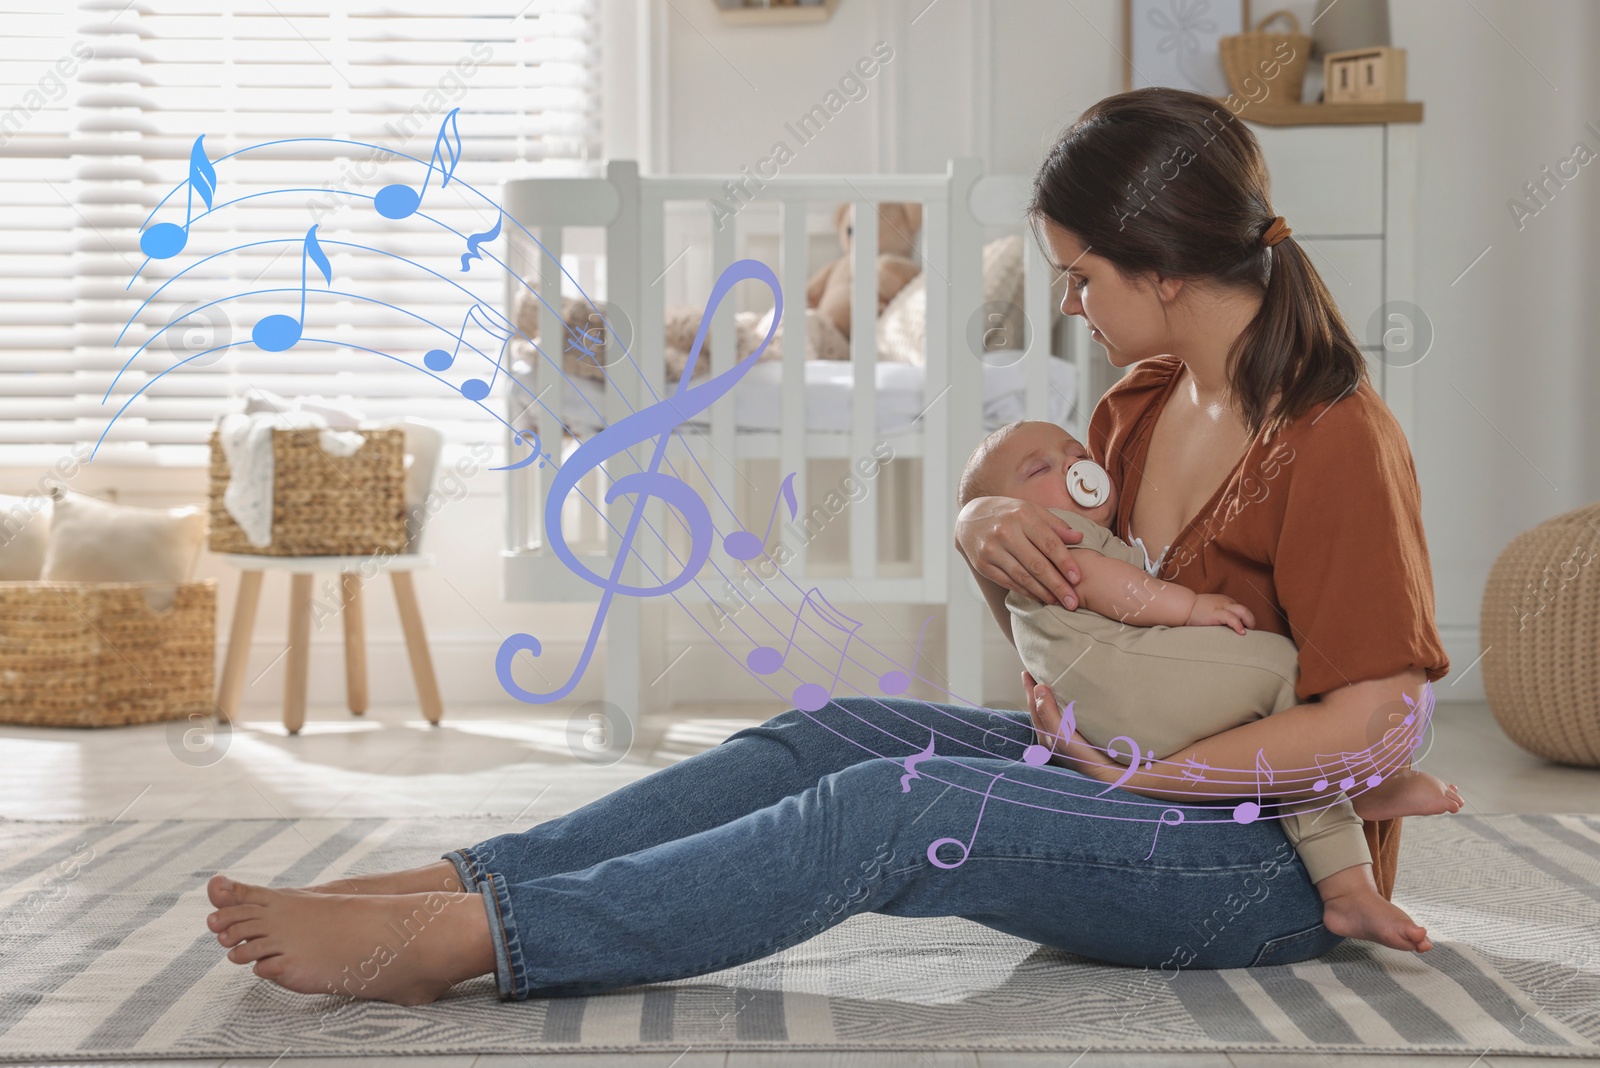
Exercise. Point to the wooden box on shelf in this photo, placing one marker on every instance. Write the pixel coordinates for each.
(1375, 75)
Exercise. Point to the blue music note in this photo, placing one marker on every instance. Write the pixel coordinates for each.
(400, 201)
(533, 454)
(165, 240)
(276, 333)
(743, 544)
(764, 659)
(475, 240)
(658, 421)
(474, 389)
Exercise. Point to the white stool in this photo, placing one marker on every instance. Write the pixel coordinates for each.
(301, 568)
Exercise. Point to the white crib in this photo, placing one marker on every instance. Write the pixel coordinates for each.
(958, 206)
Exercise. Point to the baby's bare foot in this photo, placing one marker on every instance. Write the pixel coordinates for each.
(440, 875)
(1407, 793)
(1366, 915)
(404, 948)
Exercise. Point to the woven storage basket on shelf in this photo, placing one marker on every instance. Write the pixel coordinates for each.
(1540, 629)
(1247, 58)
(322, 505)
(96, 654)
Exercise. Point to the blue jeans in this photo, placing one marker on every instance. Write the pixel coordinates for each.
(785, 829)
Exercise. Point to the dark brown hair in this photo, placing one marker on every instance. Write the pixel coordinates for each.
(1172, 182)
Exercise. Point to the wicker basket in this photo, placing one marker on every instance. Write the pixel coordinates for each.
(96, 654)
(1540, 632)
(1247, 57)
(323, 505)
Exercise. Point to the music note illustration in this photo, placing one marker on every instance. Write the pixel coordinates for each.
(1195, 772)
(276, 333)
(966, 847)
(1037, 754)
(474, 389)
(1250, 811)
(765, 660)
(744, 545)
(895, 683)
(533, 454)
(911, 763)
(475, 240)
(657, 421)
(1133, 761)
(1160, 821)
(165, 240)
(400, 201)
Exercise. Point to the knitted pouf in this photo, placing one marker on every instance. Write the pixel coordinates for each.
(1540, 625)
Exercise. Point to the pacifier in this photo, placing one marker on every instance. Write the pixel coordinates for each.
(1088, 484)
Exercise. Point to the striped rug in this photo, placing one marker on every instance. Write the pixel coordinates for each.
(103, 955)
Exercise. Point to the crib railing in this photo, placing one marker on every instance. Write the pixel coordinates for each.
(957, 205)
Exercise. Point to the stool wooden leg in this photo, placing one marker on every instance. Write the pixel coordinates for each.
(244, 624)
(294, 686)
(355, 643)
(405, 596)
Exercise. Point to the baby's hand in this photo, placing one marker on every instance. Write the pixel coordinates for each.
(1215, 610)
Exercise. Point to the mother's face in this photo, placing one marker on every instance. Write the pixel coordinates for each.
(1127, 316)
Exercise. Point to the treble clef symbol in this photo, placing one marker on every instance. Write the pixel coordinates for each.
(658, 421)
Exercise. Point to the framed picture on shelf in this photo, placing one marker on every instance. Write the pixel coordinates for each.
(1174, 42)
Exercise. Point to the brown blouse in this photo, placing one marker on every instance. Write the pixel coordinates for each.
(1318, 532)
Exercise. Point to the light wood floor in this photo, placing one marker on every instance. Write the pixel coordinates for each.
(514, 762)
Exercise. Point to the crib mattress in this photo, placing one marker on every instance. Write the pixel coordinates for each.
(830, 385)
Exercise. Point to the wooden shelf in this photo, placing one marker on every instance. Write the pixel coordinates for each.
(776, 16)
(1329, 114)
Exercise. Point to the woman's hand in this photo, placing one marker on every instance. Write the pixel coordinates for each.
(1020, 546)
(1077, 753)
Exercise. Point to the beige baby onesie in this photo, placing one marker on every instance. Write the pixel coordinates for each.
(1168, 687)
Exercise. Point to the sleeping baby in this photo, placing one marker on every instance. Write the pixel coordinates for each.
(1165, 666)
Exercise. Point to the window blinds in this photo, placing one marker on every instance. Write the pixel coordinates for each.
(109, 99)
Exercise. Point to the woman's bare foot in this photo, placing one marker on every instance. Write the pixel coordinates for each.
(440, 875)
(404, 948)
(1407, 793)
(1352, 907)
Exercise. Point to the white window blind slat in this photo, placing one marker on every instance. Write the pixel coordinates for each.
(108, 100)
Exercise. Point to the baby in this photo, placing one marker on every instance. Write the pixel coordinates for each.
(1147, 659)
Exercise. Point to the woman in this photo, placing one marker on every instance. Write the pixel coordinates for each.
(1155, 204)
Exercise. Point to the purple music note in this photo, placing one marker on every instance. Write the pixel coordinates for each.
(911, 763)
(1195, 772)
(1037, 755)
(744, 545)
(1250, 811)
(894, 683)
(1133, 761)
(657, 421)
(966, 847)
(277, 333)
(1160, 820)
(165, 240)
(765, 660)
(400, 201)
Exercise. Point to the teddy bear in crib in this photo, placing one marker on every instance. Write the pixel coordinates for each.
(829, 289)
(587, 352)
